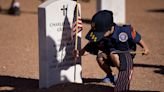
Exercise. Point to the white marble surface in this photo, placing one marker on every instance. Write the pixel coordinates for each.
(117, 6)
(56, 45)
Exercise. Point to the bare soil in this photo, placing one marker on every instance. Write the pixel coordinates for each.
(19, 64)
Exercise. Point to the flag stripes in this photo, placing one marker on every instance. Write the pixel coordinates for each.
(77, 22)
(124, 77)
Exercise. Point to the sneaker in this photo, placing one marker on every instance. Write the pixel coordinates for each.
(110, 79)
(14, 9)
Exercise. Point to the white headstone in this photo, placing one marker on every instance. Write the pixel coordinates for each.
(56, 63)
(116, 6)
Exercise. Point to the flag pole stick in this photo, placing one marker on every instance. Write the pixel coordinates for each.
(131, 52)
(76, 38)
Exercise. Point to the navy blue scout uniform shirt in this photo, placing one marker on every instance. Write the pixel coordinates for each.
(108, 44)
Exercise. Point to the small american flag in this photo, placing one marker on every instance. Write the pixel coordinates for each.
(77, 22)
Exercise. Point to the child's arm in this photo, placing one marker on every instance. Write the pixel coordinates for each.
(82, 52)
(144, 46)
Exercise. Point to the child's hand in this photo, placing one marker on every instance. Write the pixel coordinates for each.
(146, 52)
(75, 53)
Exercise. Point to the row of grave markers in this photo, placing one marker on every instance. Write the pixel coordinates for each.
(55, 17)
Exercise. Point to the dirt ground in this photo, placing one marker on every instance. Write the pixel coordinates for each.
(19, 63)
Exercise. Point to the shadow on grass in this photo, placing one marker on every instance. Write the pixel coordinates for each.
(159, 68)
(156, 10)
(5, 12)
(16, 84)
(86, 21)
